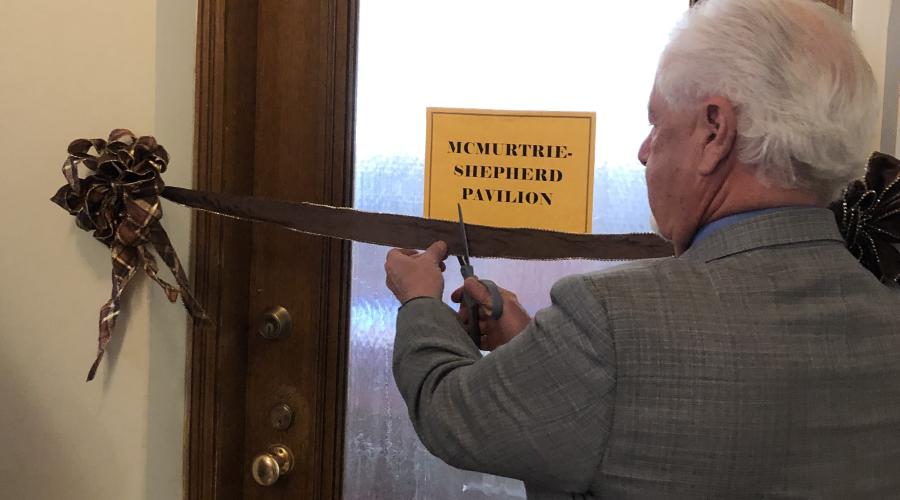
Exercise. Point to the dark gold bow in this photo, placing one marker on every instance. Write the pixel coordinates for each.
(119, 202)
(868, 214)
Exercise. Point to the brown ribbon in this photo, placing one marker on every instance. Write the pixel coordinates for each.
(119, 202)
(405, 231)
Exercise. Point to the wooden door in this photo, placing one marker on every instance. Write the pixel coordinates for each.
(274, 119)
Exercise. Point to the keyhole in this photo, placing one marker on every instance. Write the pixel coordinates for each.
(274, 324)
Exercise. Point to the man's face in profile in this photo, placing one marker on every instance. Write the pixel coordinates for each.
(668, 153)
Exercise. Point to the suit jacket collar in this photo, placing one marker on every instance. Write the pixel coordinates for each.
(780, 227)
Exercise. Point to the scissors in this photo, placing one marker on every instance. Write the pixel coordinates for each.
(467, 271)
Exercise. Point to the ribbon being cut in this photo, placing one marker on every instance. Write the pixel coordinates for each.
(119, 200)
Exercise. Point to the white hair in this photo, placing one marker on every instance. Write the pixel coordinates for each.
(805, 97)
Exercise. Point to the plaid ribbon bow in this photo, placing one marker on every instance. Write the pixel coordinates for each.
(868, 215)
(119, 202)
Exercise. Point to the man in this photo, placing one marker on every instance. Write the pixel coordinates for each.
(763, 361)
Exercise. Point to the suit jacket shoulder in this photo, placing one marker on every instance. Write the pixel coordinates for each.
(754, 365)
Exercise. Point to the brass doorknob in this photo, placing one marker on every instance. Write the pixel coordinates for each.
(269, 466)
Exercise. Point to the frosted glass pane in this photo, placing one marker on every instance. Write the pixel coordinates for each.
(559, 56)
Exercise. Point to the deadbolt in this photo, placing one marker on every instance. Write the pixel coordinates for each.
(281, 416)
(275, 323)
(268, 467)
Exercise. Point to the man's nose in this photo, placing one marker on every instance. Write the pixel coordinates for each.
(644, 151)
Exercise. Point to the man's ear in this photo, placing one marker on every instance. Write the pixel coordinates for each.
(717, 126)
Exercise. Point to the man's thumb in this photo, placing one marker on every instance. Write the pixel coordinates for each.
(438, 250)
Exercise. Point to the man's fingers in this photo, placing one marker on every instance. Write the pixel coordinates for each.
(464, 315)
(488, 343)
(398, 253)
(438, 250)
(457, 295)
(484, 318)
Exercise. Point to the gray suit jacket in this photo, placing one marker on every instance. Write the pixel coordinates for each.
(762, 363)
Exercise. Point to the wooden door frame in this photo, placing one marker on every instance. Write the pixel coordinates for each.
(225, 109)
(845, 7)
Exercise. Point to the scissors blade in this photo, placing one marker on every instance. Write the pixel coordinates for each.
(462, 229)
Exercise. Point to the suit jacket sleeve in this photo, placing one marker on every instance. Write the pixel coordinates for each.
(538, 409)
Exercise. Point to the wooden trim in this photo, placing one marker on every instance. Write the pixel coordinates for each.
(845, 7)
(337, 273)
(220, 249)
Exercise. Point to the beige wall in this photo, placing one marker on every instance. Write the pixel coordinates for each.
(68, 69)
(889, 133)
(878, 35)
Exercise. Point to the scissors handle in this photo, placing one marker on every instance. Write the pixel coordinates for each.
(474, 327)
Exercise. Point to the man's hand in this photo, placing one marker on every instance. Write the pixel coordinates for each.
(411, 274)
(494, 333)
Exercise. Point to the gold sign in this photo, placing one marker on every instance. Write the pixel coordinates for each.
(511, 168)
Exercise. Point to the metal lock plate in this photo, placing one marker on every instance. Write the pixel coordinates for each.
(275, 324)
(281, 416)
